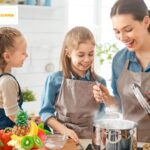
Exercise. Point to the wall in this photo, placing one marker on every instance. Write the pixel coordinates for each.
(44, 29)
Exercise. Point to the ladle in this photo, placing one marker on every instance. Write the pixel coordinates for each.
(107, 109)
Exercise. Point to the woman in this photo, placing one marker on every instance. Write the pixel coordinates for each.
(131, 24)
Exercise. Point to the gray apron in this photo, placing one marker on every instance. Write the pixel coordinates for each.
(132, 110)
(76, 106)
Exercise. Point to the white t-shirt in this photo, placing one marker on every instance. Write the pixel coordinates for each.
(9, 95)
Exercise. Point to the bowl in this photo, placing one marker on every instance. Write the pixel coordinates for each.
(55, 141)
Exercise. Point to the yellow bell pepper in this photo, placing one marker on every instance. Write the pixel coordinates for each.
(33, 129)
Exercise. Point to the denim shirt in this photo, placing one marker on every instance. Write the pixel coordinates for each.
(51, 91)
(119, 63)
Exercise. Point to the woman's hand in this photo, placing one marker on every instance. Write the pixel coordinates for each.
(100, 93)
(148, 96)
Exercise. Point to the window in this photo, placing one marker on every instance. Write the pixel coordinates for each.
(81, 12)
(95, 14)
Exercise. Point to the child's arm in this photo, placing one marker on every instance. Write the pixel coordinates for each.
(12, 118)
(59, 127)
(47, 111)
(9, 96)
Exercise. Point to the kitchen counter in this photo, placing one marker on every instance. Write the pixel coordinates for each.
(71, 145)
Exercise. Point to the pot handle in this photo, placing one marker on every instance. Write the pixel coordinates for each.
(131, 133)
(117, 137)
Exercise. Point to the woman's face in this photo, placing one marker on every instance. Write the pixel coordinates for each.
(129, 31)
(82, 58)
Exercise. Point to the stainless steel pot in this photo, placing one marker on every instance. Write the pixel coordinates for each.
(114, 134)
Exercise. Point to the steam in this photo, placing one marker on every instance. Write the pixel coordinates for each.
(107, 113)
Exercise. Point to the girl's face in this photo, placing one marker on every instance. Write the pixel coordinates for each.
(82, 58)
(131, 32)
(16, 56)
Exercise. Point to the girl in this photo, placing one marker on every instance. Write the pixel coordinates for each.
(131, 23)
(69, 92)
(12, 54)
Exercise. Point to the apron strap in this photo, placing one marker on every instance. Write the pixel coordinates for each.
(126, 64)
(20, 101)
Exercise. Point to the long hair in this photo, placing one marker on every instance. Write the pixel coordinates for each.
(7, 42)
(137, 8)
(73, 39)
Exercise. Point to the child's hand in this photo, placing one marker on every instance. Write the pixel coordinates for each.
(36, 119)
(71, 133)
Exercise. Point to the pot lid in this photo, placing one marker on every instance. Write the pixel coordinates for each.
(118, 124)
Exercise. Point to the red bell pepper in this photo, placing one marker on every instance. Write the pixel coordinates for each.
(5, 136)
(41, 134)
